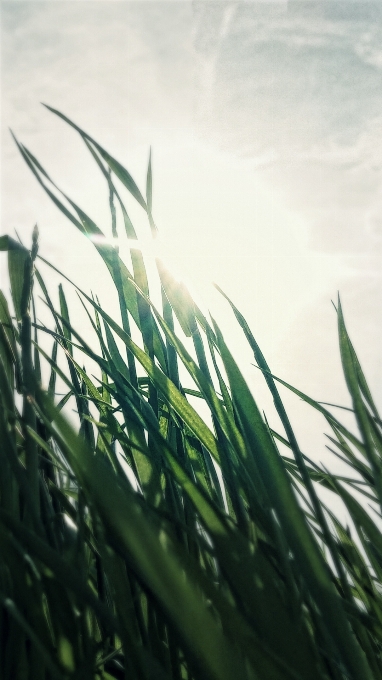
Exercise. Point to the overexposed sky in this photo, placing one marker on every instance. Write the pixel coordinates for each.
(265, 120)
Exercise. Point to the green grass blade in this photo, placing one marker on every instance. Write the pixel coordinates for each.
(157, 566)
(17, 258)
(114, 165)
(352, 380)
(292, 519)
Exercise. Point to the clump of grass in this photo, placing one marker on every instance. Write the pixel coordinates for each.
(144, 543)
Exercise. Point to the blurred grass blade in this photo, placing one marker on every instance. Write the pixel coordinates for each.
(17, 258)
(157, 566)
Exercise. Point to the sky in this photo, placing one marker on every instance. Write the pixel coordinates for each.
(265, 122)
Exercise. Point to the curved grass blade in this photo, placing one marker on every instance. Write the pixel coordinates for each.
(350, 368)
(315, 501)
(291, 517)
(114, 165)
(169, 391)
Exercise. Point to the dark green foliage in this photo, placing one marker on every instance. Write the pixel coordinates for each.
(142, 543)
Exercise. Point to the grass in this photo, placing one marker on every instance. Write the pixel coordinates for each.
(141, 541)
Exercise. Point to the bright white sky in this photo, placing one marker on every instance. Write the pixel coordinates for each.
(265, 120)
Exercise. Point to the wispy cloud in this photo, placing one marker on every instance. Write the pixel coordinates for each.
(300, 93)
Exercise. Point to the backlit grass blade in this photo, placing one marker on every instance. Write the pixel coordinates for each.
(352, 380)
(261, 361)
(151, 337)
(89, 228)
(291, 518)
(179, 299)
(145, 468)
(225, 421)
(17, 259)
(333, 422)
(169, 391)
(114, 165)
